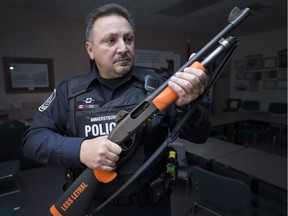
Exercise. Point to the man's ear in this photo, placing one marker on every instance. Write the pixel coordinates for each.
(89, 47)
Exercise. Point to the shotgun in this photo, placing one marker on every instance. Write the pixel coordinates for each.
(76, 199)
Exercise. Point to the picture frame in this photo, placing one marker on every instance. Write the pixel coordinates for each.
(282, 84)
(282, 74)
(269, 84)
(239, 74)
(28, 75)
(253, 62)
(269, 63)
(238, 64)
(249, 75)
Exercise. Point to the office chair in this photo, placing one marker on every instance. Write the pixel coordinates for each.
(9, 182)
(279, 137)
(277, 108)
(220, 195)
(6, 212)
(252, 128)
(250, 105)
(184, 170)
(218, 135)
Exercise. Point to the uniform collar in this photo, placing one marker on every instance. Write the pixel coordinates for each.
(95, 77)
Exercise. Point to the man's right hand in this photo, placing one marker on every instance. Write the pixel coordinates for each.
(100, 153)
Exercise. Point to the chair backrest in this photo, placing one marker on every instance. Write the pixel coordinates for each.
(221, 194)
(250, 105)
(278, 108)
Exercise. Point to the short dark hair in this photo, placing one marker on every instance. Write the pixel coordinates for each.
(105, 10)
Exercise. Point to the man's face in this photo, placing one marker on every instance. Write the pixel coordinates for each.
(112, 47)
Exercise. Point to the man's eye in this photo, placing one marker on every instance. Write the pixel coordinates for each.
(110, 41)
(129, 40)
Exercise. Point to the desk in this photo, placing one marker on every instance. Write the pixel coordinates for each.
(203, 154)
(258, 165)
(235, 117)
(226, 118)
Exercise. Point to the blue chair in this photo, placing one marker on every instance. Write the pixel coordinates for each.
(277, 108)
(6, 212)
(250, 105)
(9, 182)
(219, 194)
(279, 133)
(280, 137)
(252, 128)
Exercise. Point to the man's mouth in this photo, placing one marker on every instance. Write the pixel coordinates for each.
(123, 60)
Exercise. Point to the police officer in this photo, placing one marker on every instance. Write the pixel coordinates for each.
(70, 129)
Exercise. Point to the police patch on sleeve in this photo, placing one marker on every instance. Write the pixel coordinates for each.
(46, 104)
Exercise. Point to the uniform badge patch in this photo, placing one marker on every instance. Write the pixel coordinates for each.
(87, 103)
(46, 104)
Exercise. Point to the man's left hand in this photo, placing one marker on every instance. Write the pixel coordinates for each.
(188, 84)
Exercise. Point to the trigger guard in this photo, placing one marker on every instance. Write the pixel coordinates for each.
(128, 143)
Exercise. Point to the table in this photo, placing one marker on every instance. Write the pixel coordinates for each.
(258, 165)
(233, 118)
(226, 118)
(203, 154)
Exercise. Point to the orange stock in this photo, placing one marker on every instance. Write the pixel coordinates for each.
(168, 96)
(54, 211)
(104, 176)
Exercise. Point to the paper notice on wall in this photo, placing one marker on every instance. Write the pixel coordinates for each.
(159, 60)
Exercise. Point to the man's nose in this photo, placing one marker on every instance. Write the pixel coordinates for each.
(122, 46)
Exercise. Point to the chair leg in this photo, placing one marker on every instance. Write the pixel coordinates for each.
(193, 209)
(274, 143)
(255, 139)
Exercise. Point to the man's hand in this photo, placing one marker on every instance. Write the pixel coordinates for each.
(100, 153)
(188, 84)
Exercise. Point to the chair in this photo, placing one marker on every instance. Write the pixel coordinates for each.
(9, 182)
(250, 105)
(219, 194)
(6, 212)
(252, 128)
(279, 133)
(218, 135)
(277, 108)
(184, 170)
(279, 137)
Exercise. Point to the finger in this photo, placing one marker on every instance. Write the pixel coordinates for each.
(111, 158)
(182, 86)
(199, 74)
(107, 168)
(193, 54)
(114, 148)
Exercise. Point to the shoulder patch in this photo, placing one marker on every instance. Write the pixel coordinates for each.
(46, 104)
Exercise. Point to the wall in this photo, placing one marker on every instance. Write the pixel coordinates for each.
(39, 34)
(36, 33)
(266, 44)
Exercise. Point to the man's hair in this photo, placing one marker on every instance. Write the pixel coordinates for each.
(105, 10)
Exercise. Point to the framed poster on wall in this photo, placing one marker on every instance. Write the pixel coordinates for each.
(28, 75)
